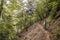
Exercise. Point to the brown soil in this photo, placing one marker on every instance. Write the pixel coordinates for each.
(35, 32)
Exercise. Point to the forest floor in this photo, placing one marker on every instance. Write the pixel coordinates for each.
(35, 32)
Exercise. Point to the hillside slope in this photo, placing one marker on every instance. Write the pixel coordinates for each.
(35, 32)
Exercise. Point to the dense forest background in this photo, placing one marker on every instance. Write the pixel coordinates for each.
(17, 15)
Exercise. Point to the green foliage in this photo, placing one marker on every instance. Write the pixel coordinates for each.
(7, 31)
(15, 19)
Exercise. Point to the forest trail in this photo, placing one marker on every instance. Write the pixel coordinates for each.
(35, 32)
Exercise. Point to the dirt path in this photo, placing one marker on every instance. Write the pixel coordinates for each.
(35, 32)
